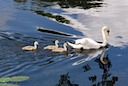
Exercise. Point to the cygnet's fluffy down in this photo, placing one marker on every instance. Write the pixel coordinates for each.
(59, 50)
(50, 47)
(29, 48)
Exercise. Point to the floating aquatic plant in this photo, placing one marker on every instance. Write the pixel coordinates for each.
(4, 81)
(14, 79)
(6, 84)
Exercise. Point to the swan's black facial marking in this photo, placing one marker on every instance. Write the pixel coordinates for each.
(53, 41)
(81, 48)
(108, 31)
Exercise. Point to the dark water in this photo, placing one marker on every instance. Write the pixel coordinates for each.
(65, 21)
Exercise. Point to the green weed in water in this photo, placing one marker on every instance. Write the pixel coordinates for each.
(4, 81)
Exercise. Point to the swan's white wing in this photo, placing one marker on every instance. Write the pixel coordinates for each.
(80, 41)
(87, 43)
(76, 46)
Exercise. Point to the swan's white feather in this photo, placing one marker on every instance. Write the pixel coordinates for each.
(85, 41)
(76, 46)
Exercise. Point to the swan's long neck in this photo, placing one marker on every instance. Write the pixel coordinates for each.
(104, 38)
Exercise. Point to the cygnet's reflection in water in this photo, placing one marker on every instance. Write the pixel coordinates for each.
(90, 55)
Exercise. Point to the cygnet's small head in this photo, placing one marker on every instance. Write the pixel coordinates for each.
(36, 43)
(106, 29)
(65, 44)
(56, 41)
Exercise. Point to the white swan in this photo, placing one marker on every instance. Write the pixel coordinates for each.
(29, 48)
(59, 50)
(88, 43)
(50, 47)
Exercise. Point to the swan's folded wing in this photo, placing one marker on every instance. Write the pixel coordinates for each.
(80, 41)
(76, 46)
(85, 41)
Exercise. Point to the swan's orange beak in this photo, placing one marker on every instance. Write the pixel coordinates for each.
(108, 32)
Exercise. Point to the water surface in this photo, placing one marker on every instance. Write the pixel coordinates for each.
(18, 22)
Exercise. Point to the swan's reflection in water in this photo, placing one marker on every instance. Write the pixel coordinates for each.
(104, 63)
(107, 78)
(90, 55)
